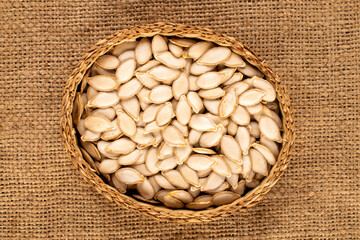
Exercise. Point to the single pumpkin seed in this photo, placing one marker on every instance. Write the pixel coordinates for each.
(164, 183)
(141, 168)
(225, 197)
(97, 70)
(109, 166)
(182, 195)
(126, 124)
(182, 42)
(232, 128)
(228, 104)
(161, 194)
(268, 155)
(160, 94)
(271, 145)
(233, 180)
(251, 97)
(117, 184)
(158, 44)
(129, 176)
(194, 137)
(234, 61)
(269, 129)
(122, 47)
(192, 84)
(212, 106)
(210, 80)
(163, 73)
(229, 73)
(212, 93)
(199, 162)
(198, 49)
(224, 186)
(183, 129)
(240, 87)
(203, 174)
(189, 175)
(132, 107)
(204, 151)
(235, 167)
(199, 205)
(164, 114)
(176, 179)
(151, 160)
(237, 77)
(152, 127)
(165, 150)
(103, 83)
(247, 166)
(145, 189)
(91, 149)
(143, 95)
(125, 71)
(147, 66)
(254, 129)
(182, 153)
(101, 145)
(167, 164)
(250, 71)
(240, 189)
(195, 101)
(98, 123)
(155, 185)
(180, 86)
(149, 113)
(127, 55)
(213, 181)
(176, 50)
(211, 139)
(147, 81)
(172, 202)
(215, 56)
(130, 158)
(255, 109)
(231, 148)
(129, 89)
(270, 94)
(109, 113)
(197, 69)
(168, 59)
(183, 111)
(221, 167)
(243, 138)
(103, 100)
(240, 116)
(121, 146)
(173, 136)
(142, 138)
(143, 51)
(80, 127)
(108, 62)
(258, 162)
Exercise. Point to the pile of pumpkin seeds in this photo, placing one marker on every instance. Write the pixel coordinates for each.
(179, 122)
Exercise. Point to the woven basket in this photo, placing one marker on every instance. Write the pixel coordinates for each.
(160, 212)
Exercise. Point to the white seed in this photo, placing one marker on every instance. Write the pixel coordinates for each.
(189, 175)
(103, 83)
(229, 73)
(125, 71)
(173, 136)
(270, 145)
(90, 136)
(147, 81)
(211, 139)
(183, 129)
(151, 160)
(149, 113)
(143, 95)
(112, 134)
(199, 205)
(255, 109)
(142, 157)
(277, 119)
(269, 129)
(121, 146)
(164, 114)
(254, 129)
(143, 51)
(155, 185)
(212, 93)
(198, 69)
(158, 138)
(221, 167)
(168, 59)
(176, 50)
(160, 94)
(235, 167)
(91, 149)
(161, 194)
(258, 162)
(117, 106)
(167, 164)
(101, 145)
(147, 66)
(108, 62)
(98, 123)
(142, 138)
(182, 153)
(217, 120)
(194, 137)
(231, 148)
(132, 107)
(152, 127)
(228, 104)
(202, 123)
(176, 179)
(130, 158)
(237, 77)
(158, 44)
(268, 155)
(247, 166)
(195, 101)
(251, 97)
(198, 49)
(194, 192)
(146, 189)
(103, 100)
(124, 46)
(127, 55)
(240, 116)
(118, 185)
(232, 128)
(181, 195)
(192, 84)
(182, 42)
(270, 94)
(204, 151)
(165, 151)
(243, 138)
(210, 80)
(163, 73)
(234, 61)
(240, 189)
(80, 127)
(213, 181)
(129, 176)
(250, 71)
(163, 182)
(129, 89)
(91, 92)
(214, 56)
(109, 166)
(199, 162)
(203, 174)
(141, 168)
(183, 111)
(240, 87)
(180, 86)
(109, 113)
(225, 197)
(212, 106)
(233, 180)
(172, 202)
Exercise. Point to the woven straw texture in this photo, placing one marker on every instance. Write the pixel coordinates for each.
(313, 45)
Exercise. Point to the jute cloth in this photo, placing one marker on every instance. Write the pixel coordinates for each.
(313, 45)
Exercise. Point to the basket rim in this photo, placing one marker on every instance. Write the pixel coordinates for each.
(160, 212)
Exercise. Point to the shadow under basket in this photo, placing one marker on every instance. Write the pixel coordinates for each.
(161, 212)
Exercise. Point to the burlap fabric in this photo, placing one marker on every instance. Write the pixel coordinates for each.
(313, 45)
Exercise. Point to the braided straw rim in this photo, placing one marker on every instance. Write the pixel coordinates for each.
(160, 212)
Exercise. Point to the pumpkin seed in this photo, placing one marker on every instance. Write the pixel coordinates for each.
(255, 109)
(173, 136)
(126, 124)
(268, 155)
(146, 80)
(103, 82)
(145, 189)
(269, 129)
(130, 158)
(163, 73)
(124, 46)
(235, 167)
(198, 69)
(117, 184)
(203, 174)
(158, 138)
(194, 101)
(161, 194)
(180, 86)
(243, 138)
(212, 106)
(141, 168)
(251, 97)
(151, 160)
(192, 84)
(198, 49)
(93, 165)
(127, 55)
(168, 59)
(129, 89)
(240, 116)
(199, 205)
(253, 183)
(247, 166)
(232, 128)
(97, 70)
(165, 150)
(221, 167)
(203, 151)
(158, 44)
(101, 145)
(172, 202)
(277, 119)
(176, 179)
(199, 162)
(103, 100)
(194, 137)
(182, 42)
(176, 50)
(143, 95)
(164, 183)
(234, 61)
(121, 146)
(125, 71)
(240, 189)
(149, 113)
(271, 145)
(214, 56)
(182, 153)
(109, 166)
(237, 77)
(194, 192)
(152, 127)
(183, 129)
(142, 138)
(109, 113)
(167, 164)
(212, 93)
(233, 180)
(142, 157)
(129, 176)
(254, 129)
(258, 162)
(224, 186)
(155, 185)
(240, 87)
(91, 149)
(91, 93)
(143, 51)
(213, 181)
(189, 175)
(183, 111)
(112, 134)
(231, 148)
(228, 104)
(270, 94)
(98, 123)
(160, 94)
(210, 80)
(80, 127)
(211, 139)
(164, 114)
(202, 123)
(132, 107)
(250, 71)
(229, 73)
(181, 195)
(225, 197)
(147, 66)
(108, 62)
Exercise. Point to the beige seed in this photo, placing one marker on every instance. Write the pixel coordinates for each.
(234, 61)
(164, 114)
(147, 81)
(189, 175)
(125, 71)
(198, 49)
(142, 138)
(147, 66)
(192, 84)
(228, 104)
(161, 194)
(253, 183)
(91, 93)
(121, 146)
(221, 167)
(203, 198)
(164, 183)
(163, 73)
(225, 197)
(130, 158)
(103, 83)
(254, 129)
(213, 181)
(194, 192)
(129, 89)
(143, 95)
(167, 164)
(270, 94)
(143, 51)
(145, 189)
(202, 123)
(155, 185)
(103, 100)
(151, 160)
(173, 136)
(237, 77)
(117, 106)
(109, 166)
(212, 93)
(194, 137)
(98, 123)
(168, 59)
(231, 148)
(255, 109)
(132, 107)
(198, 69)
(183, 129)
(180, 86)
(160, 94)
(203, 174)
(224, 186)
(127, 55)
(112, 134)
(199, 162)
(215, 56)
(217, 120)
(204, 151)
(229, 73)
(235, 167)
(158, 138)
(176, 179)
(212, 106)
(271, 145)
(172, 202)
(269, 129)
(195, 101)
(250, 71)
(142, 157)
(91, 149)
(277, 119)
(210, 80)
(240, 189)
(247, 166)
(101, 145)
(268, 155)
(182, 153)
(129, 176)
(243, 138)
(181, 195)
(240, 87)
(199, 205)
(240, 116)
(176, 50)
(251, 97)
(152, 127)
(117, 184)
(158, 44)
(150, 113)
(80, 127)
(183, 111)
(211, 139)
(141, 168)
(97, 70)
(124, 46)
(182, 42)
(108, 62)
(258, 162)
(109, 113)
(232, 128)
(165, 150)
(233, 180)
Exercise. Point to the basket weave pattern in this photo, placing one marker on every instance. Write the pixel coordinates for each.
(158, 212)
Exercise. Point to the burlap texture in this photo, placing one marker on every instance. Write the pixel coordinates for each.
(313, 45)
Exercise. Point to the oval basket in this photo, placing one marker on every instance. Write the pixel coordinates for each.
(159, 212)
